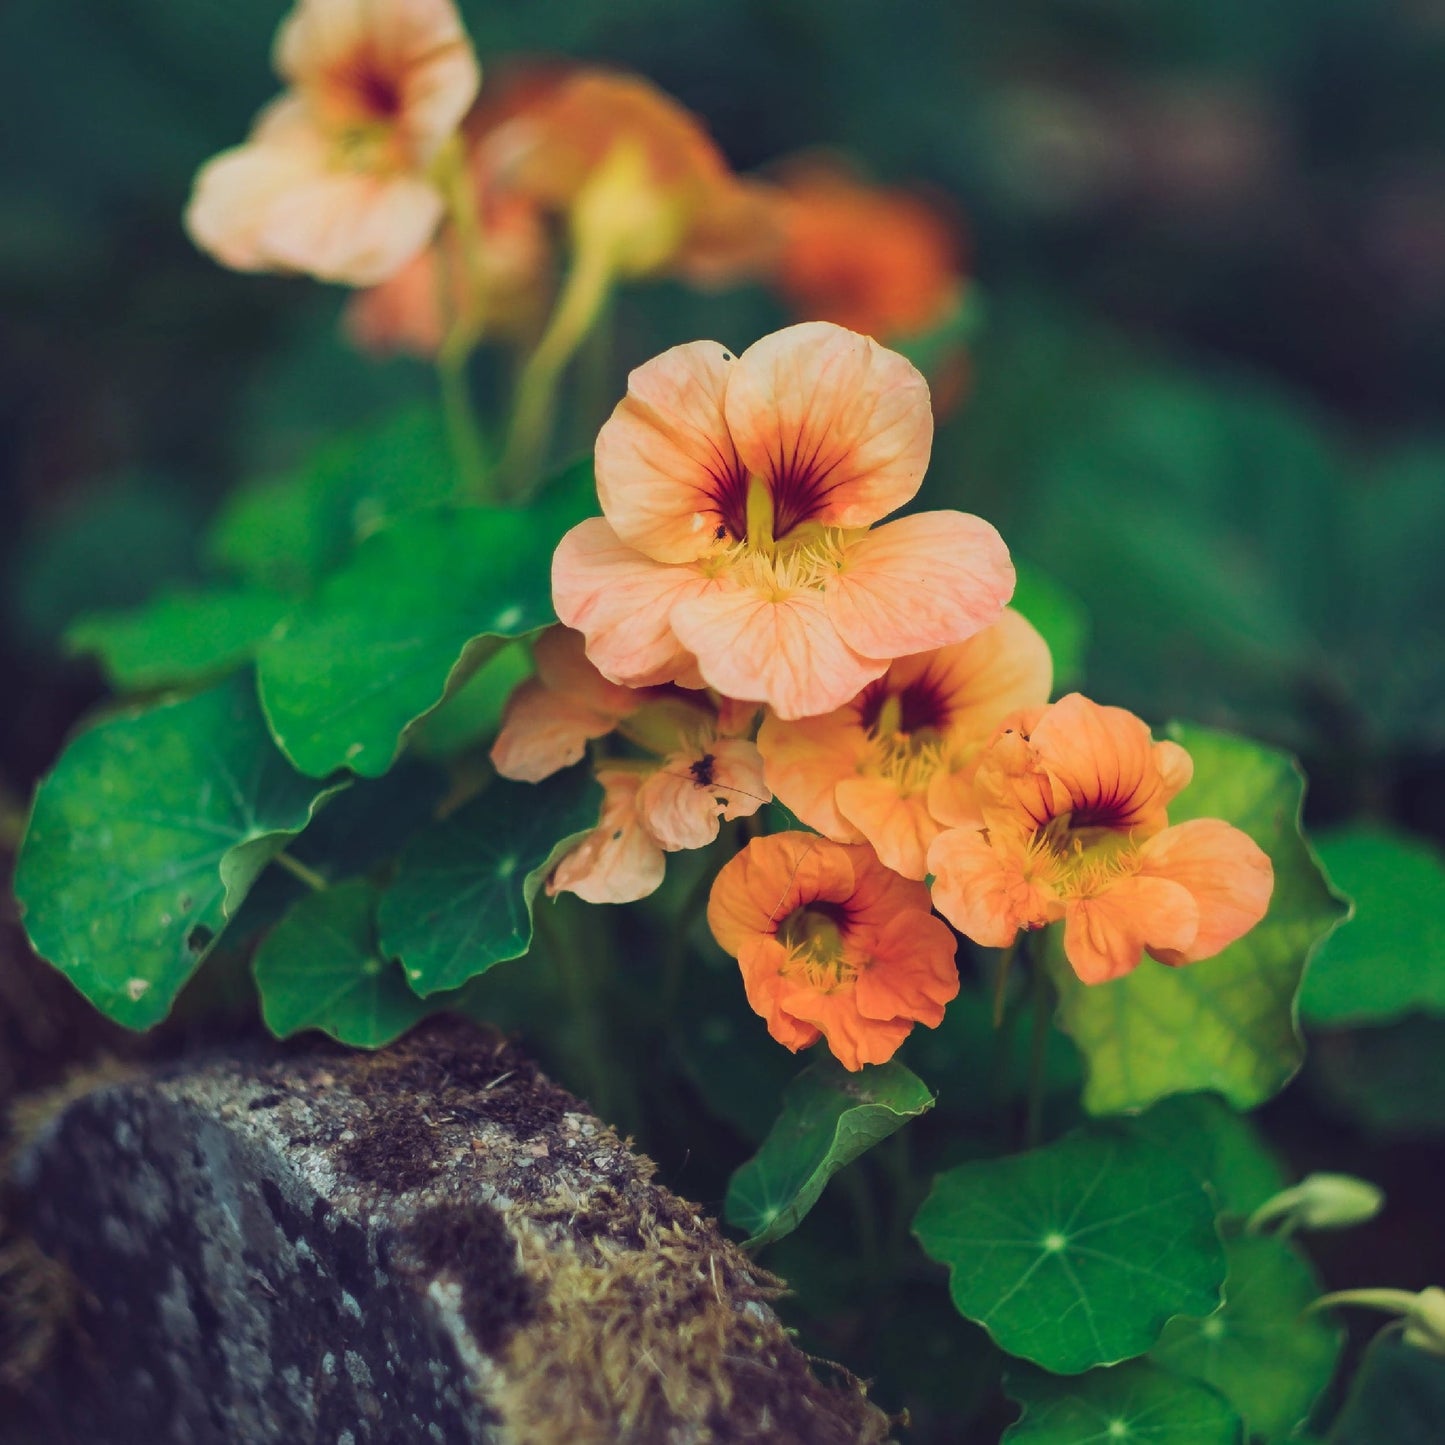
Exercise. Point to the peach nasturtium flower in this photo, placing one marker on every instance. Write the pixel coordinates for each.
(834, 945)
(337, 178)
(893, 766)
(1074, 800)
(735, 546)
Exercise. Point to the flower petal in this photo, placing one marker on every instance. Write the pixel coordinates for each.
(757, 889)
(1229, 875)
(1105, 935)
(987, 890)
(838, 426)
(805, 760)
(543, 732)
(919, 583)
(784, 651)
(899, 828)
(621, 600)
(667, 475)
(618, 861)
(912, 974)
(761, 961)
(682, 802)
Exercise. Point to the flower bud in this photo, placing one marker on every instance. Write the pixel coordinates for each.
(1320, 1201)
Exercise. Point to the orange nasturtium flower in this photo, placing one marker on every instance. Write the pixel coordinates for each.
(337, 178)
(893, 767)
(1074, 802)
(697, 771)
(735, 546)
(877, 260)
(832, 944)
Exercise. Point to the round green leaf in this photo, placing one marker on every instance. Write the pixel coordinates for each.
(178, 637)
(320, 968)
(1076, 1254)
(145, 839)
(1389, 959)
(829, 1118)
(1259, 1351)
(1132, 1402)
(1228, 1023)
(417, 609)
(462, 897)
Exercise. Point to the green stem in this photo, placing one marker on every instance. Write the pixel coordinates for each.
(309, 876)
(1041, 996)
(462, 431)
(578, 988)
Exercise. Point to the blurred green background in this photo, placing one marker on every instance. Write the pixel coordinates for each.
(1209, 242)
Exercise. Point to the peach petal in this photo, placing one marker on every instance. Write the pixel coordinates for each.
(543, 732)
(1105, 935)
(975, 890)
(840, 427)
(621, 600)
(560, 654)
(1228, 874)
(953, 799)
(618, 861)
(761, 961)
(913, 974)
(682, 803)
(804, 760)
(771, 877)
(786, 653)
(852, 1039)
(1175, 767)
(919, 583)
(899, 828)
(667, 474)
(994, 673)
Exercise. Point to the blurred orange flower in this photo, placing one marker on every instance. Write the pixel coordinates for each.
(878, 260)
(1074, 804)
(336, 178)
(893, 767)
(735, 547)
(832, 944)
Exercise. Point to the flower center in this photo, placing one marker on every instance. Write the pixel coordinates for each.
(781, 571)
(813, 934)
(1081, 860)
(907, 729)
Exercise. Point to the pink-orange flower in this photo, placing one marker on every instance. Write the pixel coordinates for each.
(735, 546)
(834, 945)
(336, 177)
(1074, 801)
(893, 766)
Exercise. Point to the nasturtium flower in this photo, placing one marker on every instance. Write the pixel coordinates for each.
(737, 546)
(337, 178)
(833, 945)
(1074, 804)
(893, 766)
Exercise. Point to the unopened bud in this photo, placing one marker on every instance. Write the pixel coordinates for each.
(1319, 1201)
(1423, 1314)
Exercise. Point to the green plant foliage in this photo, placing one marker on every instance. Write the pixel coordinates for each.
(320, 968)
(1398, 1397)
(1259, 1351)
(1389, 959)
(145, 839)
(1076, 1254)
(1129, 1402)
(462, 897)
(1059, 616)
(287, 533)
(418, 608)
(1227, 1023)
(473, 713)
(1389, 1078)
(178, 637)
(829, 1118)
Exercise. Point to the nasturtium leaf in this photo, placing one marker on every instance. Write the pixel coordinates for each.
(320, 968)
(178, 637)
(473, 713)
(1132, 1402)
(1398, 1397)
(417, 609)
(1228, 1022)
(1266, 1357)
(1076, 1254)
(146, 837)
(1060, 618)
(1222, 1148)
(462, 897)
(1388, 1078)
(286, 533)
(1389, 959)
(829, 1118)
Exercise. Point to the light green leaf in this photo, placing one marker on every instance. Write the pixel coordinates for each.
(1227, 1023)
(1133, 1402)
(829, 1118)
(1259, 1351)
(178, 637)
(320, 968)
(418, 608)
(1076, 1254)
(1389, 959)
(473, 713)
(462, 897)
(145, 839)
(1060, 617)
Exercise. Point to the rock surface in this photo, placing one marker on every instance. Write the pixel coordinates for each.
(432, 1243)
